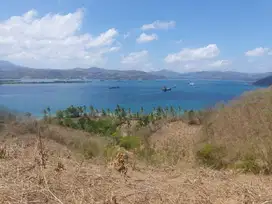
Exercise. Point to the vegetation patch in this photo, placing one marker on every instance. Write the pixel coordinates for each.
(130, 142)
(211, 155)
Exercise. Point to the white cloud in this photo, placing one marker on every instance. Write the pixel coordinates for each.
(259, 51)
(106, 38)
(137, 61)
(187, 54)
(144, 38)
(53, 40)
(162, 25)
(220, 63)
(135, 57)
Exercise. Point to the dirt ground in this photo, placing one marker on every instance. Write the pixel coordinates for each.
(68, 178)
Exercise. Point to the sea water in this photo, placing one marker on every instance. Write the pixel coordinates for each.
(34, 98)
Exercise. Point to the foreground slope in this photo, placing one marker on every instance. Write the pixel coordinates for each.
(45, 163)
(69, 178)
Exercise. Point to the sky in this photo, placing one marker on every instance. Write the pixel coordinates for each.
(146, 35)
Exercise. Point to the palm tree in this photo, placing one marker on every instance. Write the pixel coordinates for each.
(137, 115)
(142, 110)
(45, 114)
(96, 112)
(108, 112)
(28, 114)
(117, 110)
(154, 110)
(103, 112)
(84, 109)
(172, 110)
(151, 116)
(166, 111)
(49, 111)
(80, 110)
(179, 110)
(159, 112)
(129, 112)
(91, 111)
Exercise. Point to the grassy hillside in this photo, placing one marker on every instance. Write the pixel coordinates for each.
(239, 135)
(117, 158)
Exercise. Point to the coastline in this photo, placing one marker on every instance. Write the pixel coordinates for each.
(2, 82)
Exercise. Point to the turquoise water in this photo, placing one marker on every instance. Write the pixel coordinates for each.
(34, 98)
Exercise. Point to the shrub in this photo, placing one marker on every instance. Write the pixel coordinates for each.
(130, 142)
(149, 155)
(90, 149)
(211, 156)
(3, 152)
(110, 152)
(249, 164)
(68, 122)
(102, 126)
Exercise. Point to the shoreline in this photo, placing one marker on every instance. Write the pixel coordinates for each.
(10, 82)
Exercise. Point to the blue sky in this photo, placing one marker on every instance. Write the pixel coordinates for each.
(147, 35)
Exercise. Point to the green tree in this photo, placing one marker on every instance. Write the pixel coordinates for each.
(72, 112)
(172, 111)
(49, 113)
(179, 110)
(91, 111)
(142, 110)
(28, 115)
(129, 113)
(108, 112)
(60, 114)
(45, 114)
(103, 112)
(84, 110)
(80, 110)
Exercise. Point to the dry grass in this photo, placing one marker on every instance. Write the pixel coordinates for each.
(65, 179)
(173, 144)
(41, 163)
(242, 132)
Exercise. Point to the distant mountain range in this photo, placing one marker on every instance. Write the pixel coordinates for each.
(12, 71)
(267, 81)
(215, 75)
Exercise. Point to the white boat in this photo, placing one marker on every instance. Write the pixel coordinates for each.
(191, 83)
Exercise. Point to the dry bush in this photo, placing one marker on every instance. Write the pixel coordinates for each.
(242, 132)
(171, 145)
(3, 152)
(196, 117)
(88, 145)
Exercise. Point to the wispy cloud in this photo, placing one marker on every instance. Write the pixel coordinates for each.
(159, 25)
(144, 38)
(259, 51)
(187, 54)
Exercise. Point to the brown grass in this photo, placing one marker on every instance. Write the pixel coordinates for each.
(242, 132)
(66, 179)
(41, 163)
